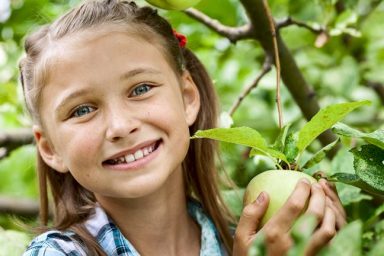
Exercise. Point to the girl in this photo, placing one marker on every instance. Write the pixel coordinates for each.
(114, 96)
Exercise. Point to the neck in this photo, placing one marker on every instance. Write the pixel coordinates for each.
(158, 224)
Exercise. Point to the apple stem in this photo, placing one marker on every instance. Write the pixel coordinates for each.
(279, 166)
(277, 60)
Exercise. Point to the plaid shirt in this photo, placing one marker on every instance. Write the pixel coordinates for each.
(108, 235)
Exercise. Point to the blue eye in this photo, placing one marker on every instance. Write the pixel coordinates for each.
(141, 89)
(82, 110)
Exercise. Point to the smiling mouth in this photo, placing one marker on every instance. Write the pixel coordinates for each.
(135, 156)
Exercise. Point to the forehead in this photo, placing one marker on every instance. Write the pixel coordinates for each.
(98, 42)
(83, 38)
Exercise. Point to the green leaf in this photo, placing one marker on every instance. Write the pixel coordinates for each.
(346, 18)
(258, 247)
(290, 149)
(13, 242)
(268, 152)
(356, 181)
(369, 165)
(239, 135)
(324, 120)
(375, 138)
(372, 221)
(301, 234)
(279, 144)
(234, 199)
(343, 162)
(347, 241)
(377, 249)
(350, 194)
(320, 155)
(243, 136)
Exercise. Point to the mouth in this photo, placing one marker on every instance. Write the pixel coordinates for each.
(134, 156)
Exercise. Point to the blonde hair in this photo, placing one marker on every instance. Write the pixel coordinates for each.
(73, 203)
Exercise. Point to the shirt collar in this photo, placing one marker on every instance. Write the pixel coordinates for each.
(114, 243)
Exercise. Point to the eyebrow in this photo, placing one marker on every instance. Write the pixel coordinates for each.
(138, 71)
(70, 96)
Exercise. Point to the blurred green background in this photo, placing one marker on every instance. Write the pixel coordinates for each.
(347, 66)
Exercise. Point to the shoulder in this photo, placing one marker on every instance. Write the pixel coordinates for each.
(55, 243)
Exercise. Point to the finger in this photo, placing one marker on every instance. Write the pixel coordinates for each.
(294, 206)
(340, 218)
(323, 234)
(330, 189)
(331, 192)
(317, 202)
(334, 202)
(280, 246)
(249, 222)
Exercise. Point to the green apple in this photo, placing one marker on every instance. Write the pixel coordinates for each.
(279, 185)
(173, 4)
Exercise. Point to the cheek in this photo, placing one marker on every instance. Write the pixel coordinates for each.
(80, 146)
(170, 117)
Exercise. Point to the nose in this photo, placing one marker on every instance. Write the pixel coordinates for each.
(120, 124)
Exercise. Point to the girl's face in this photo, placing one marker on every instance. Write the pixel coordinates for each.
(115, 115)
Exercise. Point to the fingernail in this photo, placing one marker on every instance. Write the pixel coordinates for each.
(304, 180)
(316, 185)
(260, 199)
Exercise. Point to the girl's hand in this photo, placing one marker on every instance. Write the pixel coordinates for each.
(333, 201)
(323, 203)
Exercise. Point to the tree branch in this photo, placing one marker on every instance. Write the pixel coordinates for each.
(290, 73)
(277, 60)
(289, 21)
(12, 140)
(266, 68)
(321, 32)
(232, 33)
(19, 207)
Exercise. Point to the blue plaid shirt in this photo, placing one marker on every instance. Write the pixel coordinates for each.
(57, 243)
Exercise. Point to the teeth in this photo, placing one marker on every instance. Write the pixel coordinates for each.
(136, 156)
(129, 158)
(121, 160)
(139, 154)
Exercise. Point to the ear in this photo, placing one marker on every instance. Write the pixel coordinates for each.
(191, 98)
(47, 151)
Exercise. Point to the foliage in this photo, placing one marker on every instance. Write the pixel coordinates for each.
(342, 66)
(12, 243)
(287, 147)
(368, 169)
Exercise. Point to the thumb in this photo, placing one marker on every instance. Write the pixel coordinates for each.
(249, 223)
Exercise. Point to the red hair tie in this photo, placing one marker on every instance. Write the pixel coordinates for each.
(181, 38)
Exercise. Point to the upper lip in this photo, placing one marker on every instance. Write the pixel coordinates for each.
(131, 150)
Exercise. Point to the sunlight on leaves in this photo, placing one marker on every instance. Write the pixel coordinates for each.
(369, 165)
(240, 135)
(324, 120)
(375, 138)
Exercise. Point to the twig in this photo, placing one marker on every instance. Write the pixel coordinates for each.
(321, 32)
(290, 21)
(277, 60)
(232, 33)
(293, 79)
(266, 68)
